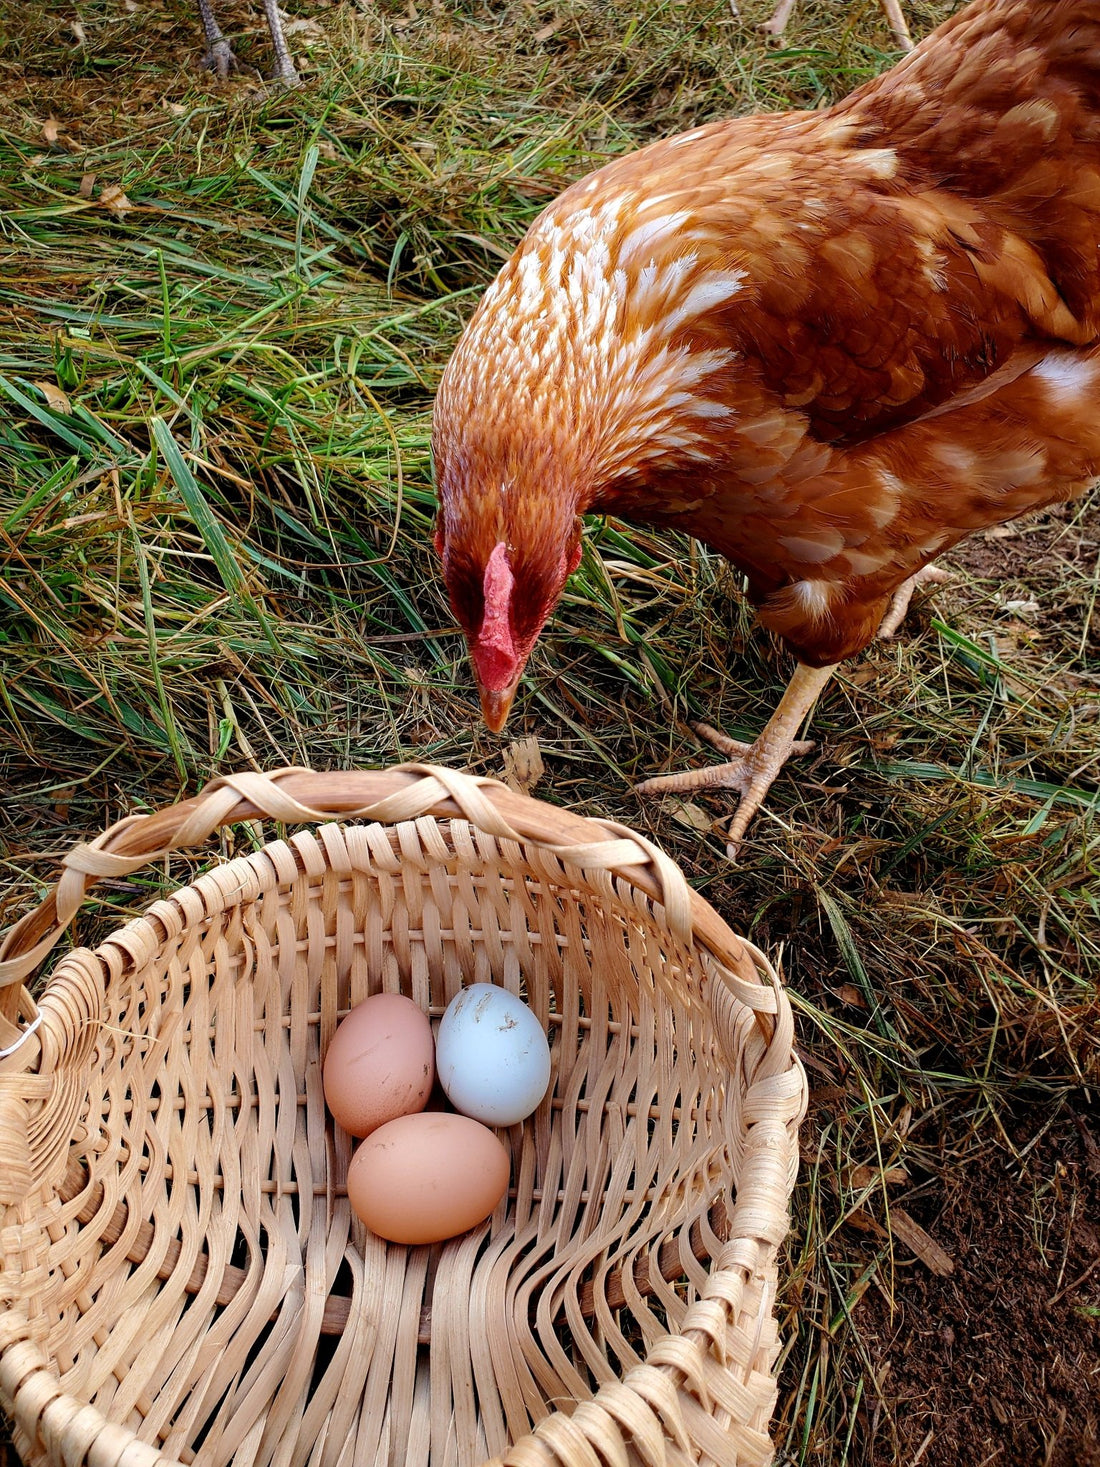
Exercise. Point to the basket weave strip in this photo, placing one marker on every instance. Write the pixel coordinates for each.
(181, 1276)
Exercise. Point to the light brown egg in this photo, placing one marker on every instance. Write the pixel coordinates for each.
(380, 1063)
(423, 1178)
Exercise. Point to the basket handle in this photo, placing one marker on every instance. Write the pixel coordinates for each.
(306, 796)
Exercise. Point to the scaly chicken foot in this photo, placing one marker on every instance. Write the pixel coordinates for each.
(285, 73)
(899, 602)
(896, 20)
(753, 768)
(221, 58)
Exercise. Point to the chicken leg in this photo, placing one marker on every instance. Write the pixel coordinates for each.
(753, 767)
(899, 602)
(221, 59)
(782, 14)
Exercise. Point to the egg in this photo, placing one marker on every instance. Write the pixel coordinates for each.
(492, 1055)
(423, 1178)
(380, 1063)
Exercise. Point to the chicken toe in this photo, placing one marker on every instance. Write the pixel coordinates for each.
(219, 57)
(776, 24)
(753, 767)
(899, 602)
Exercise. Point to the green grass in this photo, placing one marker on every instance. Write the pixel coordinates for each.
(222, 319)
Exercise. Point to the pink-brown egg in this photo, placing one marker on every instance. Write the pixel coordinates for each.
(380, 1063)
(423, 1178)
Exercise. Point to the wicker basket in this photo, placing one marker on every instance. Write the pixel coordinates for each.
(181, 1277)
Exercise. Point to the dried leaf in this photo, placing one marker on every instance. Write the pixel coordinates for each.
(523, 766)
(684, 812)
(60, 142)
(115, 200)
(51, 128)
(87, 184)
(1020, 606)
(112, 481)
(78, 32)
(857, 1218)
(56, 399)
(912, 1235)
(867, 1176)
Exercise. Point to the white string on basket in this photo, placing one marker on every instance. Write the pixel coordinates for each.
(11, 1049)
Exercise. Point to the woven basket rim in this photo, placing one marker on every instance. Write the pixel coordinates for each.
(748, 973)
(305, 796)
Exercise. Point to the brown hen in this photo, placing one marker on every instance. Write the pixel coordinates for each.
(829, 345)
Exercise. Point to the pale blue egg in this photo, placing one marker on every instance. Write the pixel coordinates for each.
(492, 1055)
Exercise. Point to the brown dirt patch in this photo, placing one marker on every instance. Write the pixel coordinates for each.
(998, 1363)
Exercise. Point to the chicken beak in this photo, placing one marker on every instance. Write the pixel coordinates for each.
(495, 705)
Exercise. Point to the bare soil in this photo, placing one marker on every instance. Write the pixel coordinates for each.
(998, 1362)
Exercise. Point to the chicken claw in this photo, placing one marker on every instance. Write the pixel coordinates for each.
(220, 57)
(899, 602)
(751, 768)
(754, 766)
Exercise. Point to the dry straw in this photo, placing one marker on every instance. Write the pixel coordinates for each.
(181, 1277)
